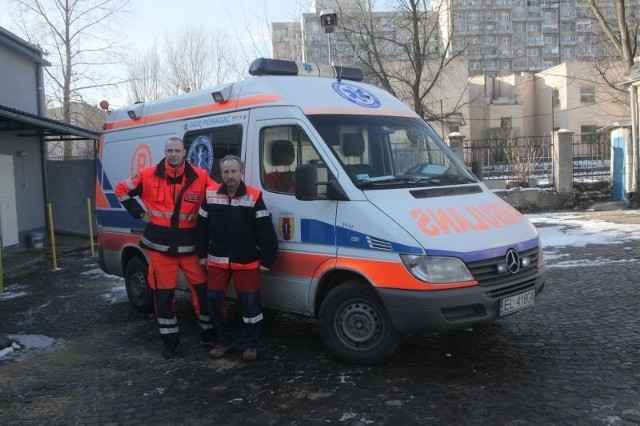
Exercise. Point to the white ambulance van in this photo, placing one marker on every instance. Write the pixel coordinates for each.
(382, 230)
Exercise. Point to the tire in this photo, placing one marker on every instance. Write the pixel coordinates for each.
(138, 291)
(355, 326)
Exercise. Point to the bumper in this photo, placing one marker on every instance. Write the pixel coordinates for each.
(446, 309)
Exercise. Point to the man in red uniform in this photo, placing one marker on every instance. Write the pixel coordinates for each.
(236, 235)
(172, 192)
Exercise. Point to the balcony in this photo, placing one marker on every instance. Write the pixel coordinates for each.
(503, 100)
(535, 41)
(549, 4)
(506, 54)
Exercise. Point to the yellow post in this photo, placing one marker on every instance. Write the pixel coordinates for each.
(93, 253)
(52, 236)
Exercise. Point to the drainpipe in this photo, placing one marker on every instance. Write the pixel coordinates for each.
(633, 96)
(43, 146)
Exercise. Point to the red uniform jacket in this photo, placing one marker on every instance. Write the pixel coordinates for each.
(172, 198)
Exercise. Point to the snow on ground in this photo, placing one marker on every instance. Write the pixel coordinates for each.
(567, 229)
(24, 344)
(559, 230)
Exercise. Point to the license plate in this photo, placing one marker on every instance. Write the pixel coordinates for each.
(512, 304)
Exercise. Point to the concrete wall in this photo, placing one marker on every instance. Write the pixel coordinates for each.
(19, 83)
(21, 87)
(70, 183)
(29, 182)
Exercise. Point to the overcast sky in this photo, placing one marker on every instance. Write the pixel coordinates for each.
(153, 17)
(242, 20)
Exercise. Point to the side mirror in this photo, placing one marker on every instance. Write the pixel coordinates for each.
(307, 182)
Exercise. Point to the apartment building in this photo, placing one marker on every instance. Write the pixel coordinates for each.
(306, 40)
(524, 60)
(506, 36)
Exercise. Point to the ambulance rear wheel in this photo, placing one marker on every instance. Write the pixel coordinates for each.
(355, 326)
(138, 291)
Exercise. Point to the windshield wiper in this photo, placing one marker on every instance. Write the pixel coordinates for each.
(453, 178)
(395, 180)
(435, 180)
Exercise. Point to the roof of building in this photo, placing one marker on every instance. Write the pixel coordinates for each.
(16, 120)
(22, 47)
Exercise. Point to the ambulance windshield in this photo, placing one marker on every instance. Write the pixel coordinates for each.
(387, 151)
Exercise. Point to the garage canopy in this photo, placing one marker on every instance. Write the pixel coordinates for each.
(19, 121)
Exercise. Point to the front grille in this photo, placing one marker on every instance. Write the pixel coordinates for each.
(499, 285)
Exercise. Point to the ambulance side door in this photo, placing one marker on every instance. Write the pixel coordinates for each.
(305, 229)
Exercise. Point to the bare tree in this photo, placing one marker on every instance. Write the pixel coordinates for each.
(401, 52)
(191, 60)
(79, 42)
(253, 31)
(615, 43)
(91, 117)
(619, 37)
(145, 76)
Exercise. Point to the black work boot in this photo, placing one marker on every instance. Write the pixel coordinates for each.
(170, 349)
(207, 338)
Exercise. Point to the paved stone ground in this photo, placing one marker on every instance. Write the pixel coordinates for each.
(573, 359)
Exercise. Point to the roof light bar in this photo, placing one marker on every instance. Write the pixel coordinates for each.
(264, 66)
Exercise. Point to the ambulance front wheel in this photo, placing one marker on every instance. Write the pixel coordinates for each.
(355, 326)
(138, 291)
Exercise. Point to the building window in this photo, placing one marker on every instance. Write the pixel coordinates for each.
(506, 123)
(587, 94)
(555, 97)
(588, 134)
(583, 25)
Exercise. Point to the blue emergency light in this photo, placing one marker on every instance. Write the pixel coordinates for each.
(265, 66)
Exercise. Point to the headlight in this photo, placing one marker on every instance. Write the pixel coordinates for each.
(437, 270)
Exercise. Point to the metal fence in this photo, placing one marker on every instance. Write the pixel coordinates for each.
(591, 157)
(527, 161)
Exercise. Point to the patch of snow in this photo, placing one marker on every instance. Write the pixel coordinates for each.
(23, 344)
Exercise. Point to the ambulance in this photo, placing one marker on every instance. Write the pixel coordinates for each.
(382, 229)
